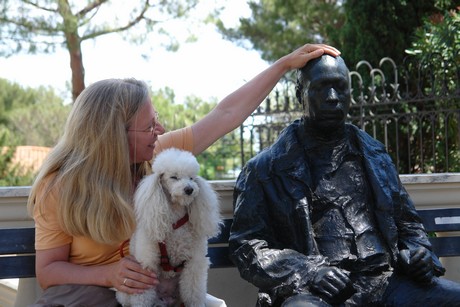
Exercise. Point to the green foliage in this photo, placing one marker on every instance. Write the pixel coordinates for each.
(12, 96)
(439, 35)
(220, 158)
(277, 27)
(11, 174)
(375, 29)
(163, 100)
(28, 117)
(173, 115)
(40, 124)
(437, 48)
(362, 30)
(32, 116)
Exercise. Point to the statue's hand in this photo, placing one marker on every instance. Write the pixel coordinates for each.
(417, 264)
(333, 284)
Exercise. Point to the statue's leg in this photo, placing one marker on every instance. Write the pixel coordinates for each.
(402, 291)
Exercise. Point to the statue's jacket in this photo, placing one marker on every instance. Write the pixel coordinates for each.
(271, 240)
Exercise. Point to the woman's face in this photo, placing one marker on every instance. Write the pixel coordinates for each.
(143, 132)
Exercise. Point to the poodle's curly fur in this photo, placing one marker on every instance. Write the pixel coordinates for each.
(172, 191)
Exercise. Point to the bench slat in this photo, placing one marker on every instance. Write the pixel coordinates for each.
(432, 219)
(219, 257)
(17, 266)
(446, 246)
(17, 241)
(224, 234)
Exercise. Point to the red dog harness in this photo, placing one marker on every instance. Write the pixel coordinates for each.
(164, 260)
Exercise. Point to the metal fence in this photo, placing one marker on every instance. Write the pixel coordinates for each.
(413, 108)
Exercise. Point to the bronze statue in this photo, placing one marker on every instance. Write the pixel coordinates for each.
(321, 217)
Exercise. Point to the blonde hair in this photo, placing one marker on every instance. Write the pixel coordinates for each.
(90, 163)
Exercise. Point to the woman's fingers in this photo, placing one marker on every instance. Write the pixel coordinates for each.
(132, 278)
(327, 49)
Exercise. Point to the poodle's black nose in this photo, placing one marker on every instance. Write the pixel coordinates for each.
(188, 190)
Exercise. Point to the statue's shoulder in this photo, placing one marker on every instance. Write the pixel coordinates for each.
(278, 158)
(283, 145)
(261, 160)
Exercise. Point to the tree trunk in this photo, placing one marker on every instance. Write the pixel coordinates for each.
(76, 65)
(73, 42)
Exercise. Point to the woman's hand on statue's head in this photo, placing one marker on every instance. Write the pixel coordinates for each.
(299, 57)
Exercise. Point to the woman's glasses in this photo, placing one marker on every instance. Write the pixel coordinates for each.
(152, 127)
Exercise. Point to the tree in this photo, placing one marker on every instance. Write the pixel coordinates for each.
(11, 174)
(440, 34)
(375, 29)
(40, 124)
(436, 50)
(43, 25)
(219, 158)
(32, 116)
(277, 27)
(12, 96)
(362, 30)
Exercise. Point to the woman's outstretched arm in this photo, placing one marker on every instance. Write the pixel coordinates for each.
(233, 110)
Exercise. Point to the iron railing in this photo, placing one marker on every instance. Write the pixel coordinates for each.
(413, 108)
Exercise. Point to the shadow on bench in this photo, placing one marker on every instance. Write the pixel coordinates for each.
(17, 253)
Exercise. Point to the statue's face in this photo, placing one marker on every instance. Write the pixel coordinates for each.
(326, 96)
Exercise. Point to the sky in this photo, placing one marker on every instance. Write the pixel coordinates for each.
(210, 67)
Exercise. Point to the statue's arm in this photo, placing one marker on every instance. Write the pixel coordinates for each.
(412, 233)
(417, 256)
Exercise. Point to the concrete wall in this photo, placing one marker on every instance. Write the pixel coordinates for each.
(427, 191)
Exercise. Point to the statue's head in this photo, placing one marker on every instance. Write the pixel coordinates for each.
(323, 89)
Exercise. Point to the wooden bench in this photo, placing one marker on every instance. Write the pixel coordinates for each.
(17, 253)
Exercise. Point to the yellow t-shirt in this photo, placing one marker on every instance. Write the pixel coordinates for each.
(85, 251)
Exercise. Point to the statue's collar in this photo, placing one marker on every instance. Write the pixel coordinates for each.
(311, 139)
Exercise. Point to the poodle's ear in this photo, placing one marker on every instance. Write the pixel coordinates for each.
(151, 207)
(205, 210)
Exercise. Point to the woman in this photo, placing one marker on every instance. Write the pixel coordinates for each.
(81, 199)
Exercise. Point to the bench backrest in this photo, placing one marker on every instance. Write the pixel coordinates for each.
(17, 253)
(439, 222)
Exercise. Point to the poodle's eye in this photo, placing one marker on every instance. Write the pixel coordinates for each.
(174, 177)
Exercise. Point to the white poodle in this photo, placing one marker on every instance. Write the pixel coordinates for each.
(177, 212)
